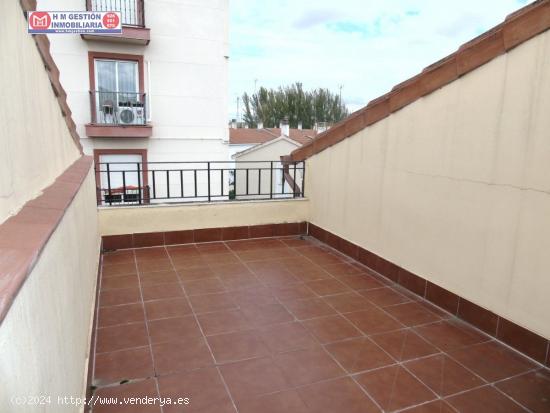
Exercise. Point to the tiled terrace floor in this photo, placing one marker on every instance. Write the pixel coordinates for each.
(288, 325)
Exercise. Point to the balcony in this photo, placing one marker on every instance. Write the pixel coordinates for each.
(118, 114)
(133, 21)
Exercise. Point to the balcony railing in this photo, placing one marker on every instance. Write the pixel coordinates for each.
(131, 10)
(135, 183)
(118, 108)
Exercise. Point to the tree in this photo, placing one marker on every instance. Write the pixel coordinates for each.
(270, 106)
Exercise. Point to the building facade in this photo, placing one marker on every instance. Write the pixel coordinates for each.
(156, 93)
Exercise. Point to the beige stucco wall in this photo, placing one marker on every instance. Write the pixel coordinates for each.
(35, 144)
(159, 218)
(456, 186)
(45, 337)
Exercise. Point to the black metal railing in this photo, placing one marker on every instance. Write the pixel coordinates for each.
(137, 183)
(132, 11)
(118, 108)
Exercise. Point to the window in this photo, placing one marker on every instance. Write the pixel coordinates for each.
(116, 83)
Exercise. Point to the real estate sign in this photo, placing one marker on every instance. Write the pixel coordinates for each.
(48, 22)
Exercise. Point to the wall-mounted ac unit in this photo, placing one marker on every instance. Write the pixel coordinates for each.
(131, 115)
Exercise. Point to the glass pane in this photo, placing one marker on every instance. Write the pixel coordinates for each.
(127, 83)
(106, 86)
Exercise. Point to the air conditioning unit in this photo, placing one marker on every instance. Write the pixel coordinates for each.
(132, 115)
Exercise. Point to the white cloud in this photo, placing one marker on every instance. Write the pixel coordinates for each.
(366, 46)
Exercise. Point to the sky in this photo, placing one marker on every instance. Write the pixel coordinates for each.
(363, 46)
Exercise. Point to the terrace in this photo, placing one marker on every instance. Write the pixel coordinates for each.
(290, 324)
(406, 271)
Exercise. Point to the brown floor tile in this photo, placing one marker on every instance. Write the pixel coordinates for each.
(223, 322)
(221, 260)
(311, 308)
(282, 402)
(187, 250)
(173, 329)
(332, 328)
(180, 356)
(119, 257)
(255, 295)
(328, 287)
(443, 375)
(147, 254)
(412, 314)
(252, 378)
(437, 406)
(310, 274)
(119, 297)
(404, 344)
(204, 286)
(307, 366)
(293, 292)
(532, 390)
(181, 264)
(148, 266)
(160, 277)
(340, 395)
(239, 282)
(450, 335)
(122, 365)
(118, 269)
(236, 346)
(394, 388)
(162, 291)
(223, 407)
(140, 389)
(121, 337)
(373, 321)
(384, 297)
(230, 270)
(280, 278)
(262, 315)
(212, 302)
(120, 314)
(359, 354)
(120, 282)
(286, 337)
(343, 269)
(486, 400)
(361, 282)
(196, 273)
(169, 308)
(203, 387)
(213, 248)
(348, 302)
(492, 360)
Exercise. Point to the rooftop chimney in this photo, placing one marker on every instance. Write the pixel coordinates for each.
(260, 125)
(300, 125)
(285, 127)
(321, 127)
(233, 123)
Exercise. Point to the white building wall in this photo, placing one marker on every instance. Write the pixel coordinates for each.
(185, 72)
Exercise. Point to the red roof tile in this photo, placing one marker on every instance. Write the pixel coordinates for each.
(241, 136)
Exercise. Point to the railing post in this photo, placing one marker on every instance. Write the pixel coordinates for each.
(303, 179)
(208, 169)
(271, 180)
(139, 181)
(109, 185)
(294, 185)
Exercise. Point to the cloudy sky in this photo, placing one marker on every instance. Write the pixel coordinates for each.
(364, 46)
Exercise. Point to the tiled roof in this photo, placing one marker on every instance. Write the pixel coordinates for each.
(517, 28)
(241, 136)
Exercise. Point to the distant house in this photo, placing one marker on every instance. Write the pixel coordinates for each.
(251, 149)
(241, 139)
